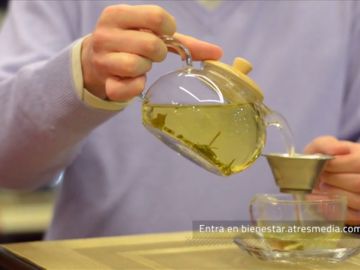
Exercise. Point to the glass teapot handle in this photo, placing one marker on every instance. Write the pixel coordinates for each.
(180, 48)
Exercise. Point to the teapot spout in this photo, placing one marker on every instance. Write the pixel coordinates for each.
(275, 119)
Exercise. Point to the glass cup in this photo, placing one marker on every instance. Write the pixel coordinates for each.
(288, 222)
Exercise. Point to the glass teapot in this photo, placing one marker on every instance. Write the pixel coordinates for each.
(213, 115)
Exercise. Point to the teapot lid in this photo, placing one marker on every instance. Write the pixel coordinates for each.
(239, 69)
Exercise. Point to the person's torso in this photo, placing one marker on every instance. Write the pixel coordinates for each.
(125, 181)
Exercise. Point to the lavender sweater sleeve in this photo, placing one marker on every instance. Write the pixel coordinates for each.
(350, 118)
(42, 120)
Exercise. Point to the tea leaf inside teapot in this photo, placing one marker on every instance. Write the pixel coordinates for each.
(207, 150)
(159, 121)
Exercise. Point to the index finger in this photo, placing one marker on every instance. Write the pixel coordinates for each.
(152, 18)
(348, 163)
(200, 50)
(327, 145)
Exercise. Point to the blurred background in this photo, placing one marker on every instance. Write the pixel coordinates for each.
(3, 6)
(25, 216)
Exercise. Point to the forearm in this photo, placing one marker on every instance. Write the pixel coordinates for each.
(42, 123)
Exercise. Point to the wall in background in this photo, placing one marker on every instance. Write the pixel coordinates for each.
(3, 4)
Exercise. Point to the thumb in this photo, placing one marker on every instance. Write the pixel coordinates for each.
(327, 145)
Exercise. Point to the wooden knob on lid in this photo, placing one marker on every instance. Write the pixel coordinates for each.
(242, 65)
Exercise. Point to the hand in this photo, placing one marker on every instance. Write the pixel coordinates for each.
(123, 46)
(342, 174)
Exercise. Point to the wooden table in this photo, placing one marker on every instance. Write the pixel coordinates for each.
(156, 251)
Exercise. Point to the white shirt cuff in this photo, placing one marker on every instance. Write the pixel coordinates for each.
(83, 94)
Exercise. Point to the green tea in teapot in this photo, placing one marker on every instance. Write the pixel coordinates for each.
(223, 136)
(213, 115)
